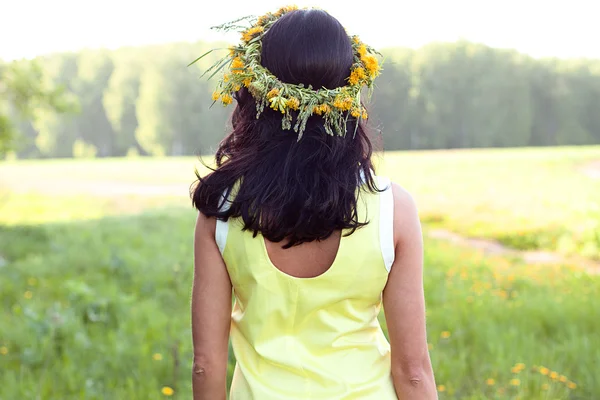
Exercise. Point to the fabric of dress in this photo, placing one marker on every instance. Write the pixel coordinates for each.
(312, 338)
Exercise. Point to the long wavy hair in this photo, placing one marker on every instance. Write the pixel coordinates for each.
(297, 191)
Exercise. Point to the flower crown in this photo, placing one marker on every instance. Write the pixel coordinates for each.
(245, 70)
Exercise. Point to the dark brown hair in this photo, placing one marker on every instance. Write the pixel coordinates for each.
(288, 189)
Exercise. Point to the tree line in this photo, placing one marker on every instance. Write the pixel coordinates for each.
(146, 100)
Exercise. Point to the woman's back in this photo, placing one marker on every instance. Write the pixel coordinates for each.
(312, 337)
(294, 223)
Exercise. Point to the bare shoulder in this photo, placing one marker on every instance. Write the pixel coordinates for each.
(205, 226)
(406, 215)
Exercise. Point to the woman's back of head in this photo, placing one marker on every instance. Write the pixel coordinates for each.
(290, 189)
(309, 47)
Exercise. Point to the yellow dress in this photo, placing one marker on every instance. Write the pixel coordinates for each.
(312, 338)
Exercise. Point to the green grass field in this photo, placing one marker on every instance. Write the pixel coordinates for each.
(95, 275)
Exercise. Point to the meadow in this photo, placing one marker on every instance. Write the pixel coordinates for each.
(95, 274)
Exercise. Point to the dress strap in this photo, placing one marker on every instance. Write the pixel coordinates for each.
(386, 221)
(222, 227)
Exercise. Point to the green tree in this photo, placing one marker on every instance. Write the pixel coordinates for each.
(119, 100)
(24, 93)
(94, 70)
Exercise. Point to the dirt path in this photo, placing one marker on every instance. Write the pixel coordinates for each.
(530, 257)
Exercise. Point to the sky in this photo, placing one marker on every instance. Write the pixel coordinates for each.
(549, 28)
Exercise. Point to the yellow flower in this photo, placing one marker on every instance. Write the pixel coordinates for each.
(545, 386)
(572, 385)
(515, 382)
(322, 109)
(263, 19)
(31, 281)
(237, 87)
(226, 99)
(237, 65)
(355, 112)
(285, 10)
(293, 103)
(167, 391)
(544, 371)
(554, 375)
(226, 78)
(247, 82)
(157, 357)
(356, 39)
(441, 388)
(445, 335)
(216, 96)
(357, 75)
(272, 93)
(343, 103)
(362, 50)
(232, 51)
(372, 65)
(490, 382)
(28, 295)
(562, 378)
(251, 33)
(4, 350)
(518, 368)
(325, 108)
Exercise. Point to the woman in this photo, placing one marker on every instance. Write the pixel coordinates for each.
(296, 225)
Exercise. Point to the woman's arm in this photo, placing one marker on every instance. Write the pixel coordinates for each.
(404, 305)
(211, 313)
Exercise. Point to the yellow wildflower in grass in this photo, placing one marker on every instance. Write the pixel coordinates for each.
(515, 382)
(157, 357)
(4, 350)
(167, 391)
(544, 371)
(445, 335)
(226, 99)
(216, 96)
(28, 294)
(237, 65)
(251, 33)
(490, 382)
(554, 375)
(517, 368)
(572, 385)
(31, 281)
(293, 103)
(545, 386)
(562, 378)
(357, 75)
(441, 388)
(272, 93)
